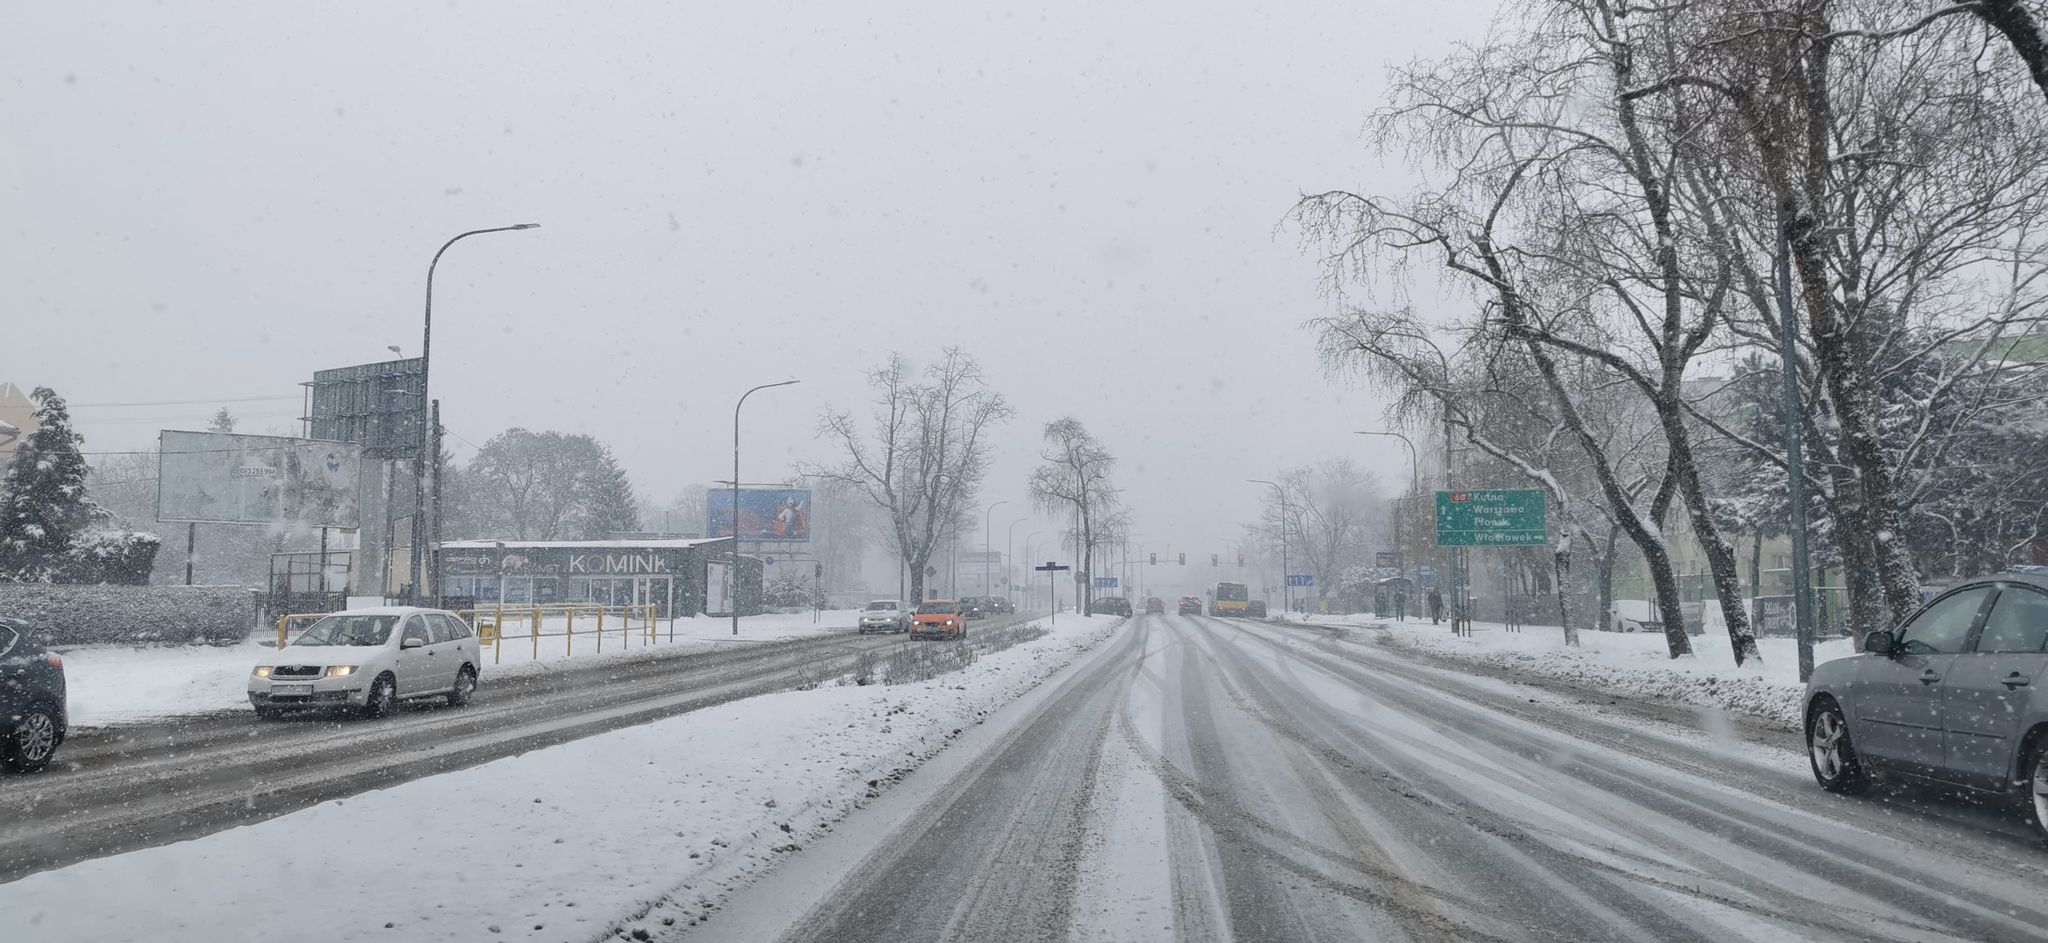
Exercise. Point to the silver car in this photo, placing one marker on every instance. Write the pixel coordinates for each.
(1955, 695)
(884, 615)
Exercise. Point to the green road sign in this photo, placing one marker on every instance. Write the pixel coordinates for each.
(1513, 518)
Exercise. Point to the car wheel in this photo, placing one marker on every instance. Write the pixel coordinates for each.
(34, 740)
(1831, 753)
(383, 697)
(465, 687)
(2036, 787)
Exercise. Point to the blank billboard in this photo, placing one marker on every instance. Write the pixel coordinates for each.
(222, 478)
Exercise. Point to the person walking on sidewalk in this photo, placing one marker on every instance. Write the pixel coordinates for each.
(1436, 607)
(1400, 606)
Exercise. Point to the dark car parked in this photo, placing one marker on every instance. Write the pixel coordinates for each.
(1958, 694)
(1110, 606)
(31, 699)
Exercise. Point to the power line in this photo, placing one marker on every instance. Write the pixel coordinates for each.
(184, 402)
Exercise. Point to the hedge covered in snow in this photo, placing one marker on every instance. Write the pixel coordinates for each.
(83, 615)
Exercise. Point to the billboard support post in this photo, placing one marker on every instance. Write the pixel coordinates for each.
(191, 537)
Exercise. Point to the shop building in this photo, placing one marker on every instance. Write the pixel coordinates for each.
(684, 577)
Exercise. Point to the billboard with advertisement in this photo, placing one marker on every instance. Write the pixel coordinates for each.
(223, 478)
(766, 514)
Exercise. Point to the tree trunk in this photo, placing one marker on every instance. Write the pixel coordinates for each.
(2011, 18)
(1720, 556)
(1606, 587)
(1561, 575)
(1852, 542)
(1756, 570)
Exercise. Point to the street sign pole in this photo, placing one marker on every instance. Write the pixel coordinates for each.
(1485, 518)
(1051, 569)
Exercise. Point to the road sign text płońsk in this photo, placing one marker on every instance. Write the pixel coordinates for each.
(1498, 518)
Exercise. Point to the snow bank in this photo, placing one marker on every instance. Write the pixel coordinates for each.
(649, 824)
(111, 684)
(1632, 664)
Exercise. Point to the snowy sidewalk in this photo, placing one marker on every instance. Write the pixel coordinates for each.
(650, 823)
(1630, 664)
(114, 684)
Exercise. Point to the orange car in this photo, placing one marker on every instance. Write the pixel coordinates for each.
(938, 618)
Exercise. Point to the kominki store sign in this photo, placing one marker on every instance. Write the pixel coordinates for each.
(617, 564)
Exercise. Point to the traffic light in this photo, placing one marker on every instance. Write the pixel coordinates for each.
(1155, 559)
(1212, 559)
(1240, 558)
(1183, 559)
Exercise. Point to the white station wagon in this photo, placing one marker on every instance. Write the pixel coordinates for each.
(369, 659)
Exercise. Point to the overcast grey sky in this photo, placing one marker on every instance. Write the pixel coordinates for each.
(209, 201)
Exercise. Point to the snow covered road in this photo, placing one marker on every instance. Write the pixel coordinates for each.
(1202, 779)
(121, 788)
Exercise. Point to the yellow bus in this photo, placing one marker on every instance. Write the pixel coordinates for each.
(1229, 599)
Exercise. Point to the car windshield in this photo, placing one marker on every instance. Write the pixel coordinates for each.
(937, 608)
(887, 605)
(349, 630)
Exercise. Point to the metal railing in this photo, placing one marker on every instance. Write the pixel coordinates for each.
(491, 624)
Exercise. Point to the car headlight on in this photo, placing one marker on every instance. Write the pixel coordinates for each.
(263, 671)
(340, 671)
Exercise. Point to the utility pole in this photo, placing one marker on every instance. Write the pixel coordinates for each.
(1795, 457)
(434, 545)
(420, 466)
(733, 572)
(1286, 582)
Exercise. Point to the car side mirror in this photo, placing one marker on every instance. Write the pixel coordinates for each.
(413, 643)
(1881, 642)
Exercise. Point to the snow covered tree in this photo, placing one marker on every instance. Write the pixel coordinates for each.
(1331, 515)
(925, 456)
(540, 486)
(44, 507)
(608, 503)
(222, 421)
(1074, 480)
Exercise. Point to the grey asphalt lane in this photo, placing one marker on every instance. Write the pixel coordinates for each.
(119, 788)
(1204, 779)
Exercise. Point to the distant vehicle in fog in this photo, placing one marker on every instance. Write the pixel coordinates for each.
(1228, 599)
(1154, 604)
(1110, 606)
(884, 615)
(32, 703)
(1191, 605)
(1255, 608)
(938, 618)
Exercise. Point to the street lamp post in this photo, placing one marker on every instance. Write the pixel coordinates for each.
(1414, 488)
(1286, 587)
(1030, 588)
(1009, 544)
(421, 464)
(986, 539)
(733, 572)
